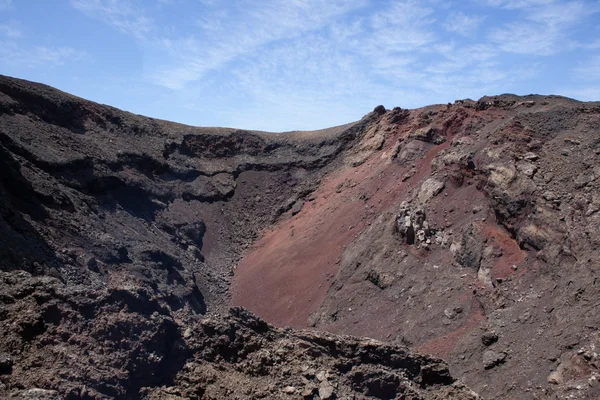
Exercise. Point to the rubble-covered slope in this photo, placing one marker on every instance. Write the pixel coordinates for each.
(118, 236)
(468, 230)
(72, 342)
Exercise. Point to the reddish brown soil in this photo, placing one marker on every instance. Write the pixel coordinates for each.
(445, 345)
(512, 254)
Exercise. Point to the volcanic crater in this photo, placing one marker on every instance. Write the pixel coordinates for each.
(142, 258)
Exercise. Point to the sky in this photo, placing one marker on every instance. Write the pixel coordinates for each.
(280, 65)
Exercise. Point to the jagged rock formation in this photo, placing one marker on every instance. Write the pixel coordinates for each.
(69, 341)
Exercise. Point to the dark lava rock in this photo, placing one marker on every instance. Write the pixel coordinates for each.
(492, 359)
(489, 338)
(6, 364)
(297, 207)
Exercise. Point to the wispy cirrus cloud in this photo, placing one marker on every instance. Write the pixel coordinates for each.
(337, 54)
(20, 50)
(459, 22)
(587, 73)
(15, 54)
(125, 15)
(526, 38)
(10, 30)
(224, 36)
(288, 53)
(518, 4)
(53, 55)
(543, 27)
(297, 55)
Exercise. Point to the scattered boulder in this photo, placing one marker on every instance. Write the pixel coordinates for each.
(380, 109)
(380, 279)
(586, 177)
(192, 231)
(500, 176)
(396, 150)
(527, 168)
(411, 150)
(326, 391)
(413, 226)
(429, 189)
(534, 236)
(289, 390)
(92, 264)
(459, 156)
(492, 359)
(297, 207)
(531, 156)
(489, 338)
(428, 135)
(555, 377)
(39, 394)
(215, 188)
(469, 251)
(6, 364)
(450, 313)
(575, 366)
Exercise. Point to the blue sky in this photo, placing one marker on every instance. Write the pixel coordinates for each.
(299, 64)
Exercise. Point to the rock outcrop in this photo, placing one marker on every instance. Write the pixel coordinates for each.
(69, 341)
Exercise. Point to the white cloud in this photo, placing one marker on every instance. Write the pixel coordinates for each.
(456, 58)
(10, 30)
(519, 4)
(335, 67)
(462, 24)
(526, 38)
(394, 55)
(14, 54)
(405, 26)
(561, 14)
(394, 52)
(543, 28)
(294, 59)
(53, 55)
(594, 45)
(225, 36)
(123, 15)
(390, 42)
